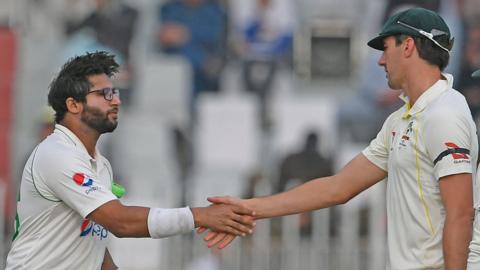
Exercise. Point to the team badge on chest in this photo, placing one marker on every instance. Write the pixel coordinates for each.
(406, 135)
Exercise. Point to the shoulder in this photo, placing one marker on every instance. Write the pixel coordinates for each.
(106, 162)
(55, 152)
(450, 105)
(449, 113)
(393, 118)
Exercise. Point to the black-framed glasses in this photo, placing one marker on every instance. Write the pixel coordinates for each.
(107, 93)
(429, 35)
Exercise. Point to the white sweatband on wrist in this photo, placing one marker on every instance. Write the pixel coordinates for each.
(165, 222)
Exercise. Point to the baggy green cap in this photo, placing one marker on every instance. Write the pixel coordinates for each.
(415, 22)
(476, 74)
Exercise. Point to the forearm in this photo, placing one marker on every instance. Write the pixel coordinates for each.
(457, 234)
(457, 197)
(358, 175)
(136, 221)
(131, 221)
(314, 194)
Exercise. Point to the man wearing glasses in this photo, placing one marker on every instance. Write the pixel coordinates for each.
(66, 207)
(427, 150)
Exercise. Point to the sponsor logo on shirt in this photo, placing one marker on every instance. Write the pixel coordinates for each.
(86, 227)
(82, 179)
(93, 229)
(457, 154)
(85, 181)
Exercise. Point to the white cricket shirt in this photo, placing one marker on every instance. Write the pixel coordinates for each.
(417, 146)
(61, 185)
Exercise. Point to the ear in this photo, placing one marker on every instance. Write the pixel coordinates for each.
(409, 47)
(73, 106)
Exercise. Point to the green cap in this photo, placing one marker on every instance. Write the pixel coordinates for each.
(415, 22)
(476, 74)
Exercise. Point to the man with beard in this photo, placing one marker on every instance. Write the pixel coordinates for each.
(66, 207)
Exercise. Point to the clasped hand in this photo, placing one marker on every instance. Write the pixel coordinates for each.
(222, 238)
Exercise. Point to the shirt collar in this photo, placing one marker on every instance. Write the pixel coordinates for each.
(64, 131)
(428, 96)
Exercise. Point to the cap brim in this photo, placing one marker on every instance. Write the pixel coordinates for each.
(377, 43)
(476, 74)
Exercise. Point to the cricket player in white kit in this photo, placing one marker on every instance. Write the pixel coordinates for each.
(66, 207)
(427, 150)
(474, 255)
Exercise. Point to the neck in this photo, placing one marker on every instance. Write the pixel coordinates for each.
(420, 80)
(85, 134)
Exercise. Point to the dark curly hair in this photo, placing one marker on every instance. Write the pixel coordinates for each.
(72, 79)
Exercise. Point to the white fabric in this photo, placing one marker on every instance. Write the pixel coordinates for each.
(406, 147)
(168, 222)
(53, 232)
(474, 255)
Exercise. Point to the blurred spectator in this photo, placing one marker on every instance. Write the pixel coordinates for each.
(195, 29)
(264, 29)
(393, 5)
(469, 86)
(264, 40)
(302, 166)
(470, 9)
(112, 24)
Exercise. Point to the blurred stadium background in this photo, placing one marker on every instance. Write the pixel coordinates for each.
(274, 74)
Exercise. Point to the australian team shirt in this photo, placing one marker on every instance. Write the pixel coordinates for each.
(61, 184)
(418, 146)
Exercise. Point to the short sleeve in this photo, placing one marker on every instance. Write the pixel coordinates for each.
(378, 150)
(71, 180)
(448, 140)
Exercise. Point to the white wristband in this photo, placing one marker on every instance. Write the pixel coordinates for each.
(165, 222)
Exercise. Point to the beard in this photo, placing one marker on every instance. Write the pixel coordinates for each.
(97, 120)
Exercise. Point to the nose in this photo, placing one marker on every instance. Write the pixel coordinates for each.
(116, 100)
(381, 60)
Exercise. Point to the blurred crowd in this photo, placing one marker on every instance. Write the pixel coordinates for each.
(261, 39)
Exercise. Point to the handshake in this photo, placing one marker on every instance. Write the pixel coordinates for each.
(225, 219)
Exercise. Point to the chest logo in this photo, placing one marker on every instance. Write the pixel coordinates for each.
(96, 230)
(406, 136)
(86, 227)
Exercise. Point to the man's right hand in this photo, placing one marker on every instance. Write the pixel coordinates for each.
(231, 219)
(216, 238)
